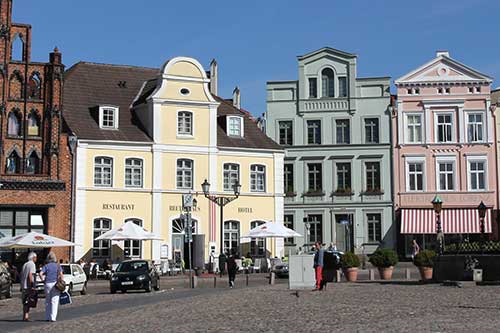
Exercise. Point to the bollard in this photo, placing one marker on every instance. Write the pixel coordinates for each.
(339, 276)
(215, 281)
(408, 274)
(271, 278)
(371, 274)
(247, 280)
(194, 283)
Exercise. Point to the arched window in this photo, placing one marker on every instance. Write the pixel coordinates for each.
(33, 164)
(231, 236)
(17, 52)
(101, 248)
(178, 232)
(33, 124)
(13, 164)
(35, 87)
(327, 82)
(14, 124)
(16, 89)
(133, 248)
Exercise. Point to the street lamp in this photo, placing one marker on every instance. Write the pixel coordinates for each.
(482, 214)
(221, 201)
(437, 204)
(188, 204)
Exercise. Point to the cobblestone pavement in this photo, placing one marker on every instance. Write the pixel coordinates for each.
(368, 307)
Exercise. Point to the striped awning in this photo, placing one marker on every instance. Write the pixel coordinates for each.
(453, 221)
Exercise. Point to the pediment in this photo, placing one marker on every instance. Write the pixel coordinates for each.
(443, 69)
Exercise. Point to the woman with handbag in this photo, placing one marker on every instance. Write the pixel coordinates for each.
(53, 276)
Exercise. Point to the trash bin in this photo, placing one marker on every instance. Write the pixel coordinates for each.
(477, 275)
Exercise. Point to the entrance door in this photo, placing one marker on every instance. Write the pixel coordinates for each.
(344, 230)
(178, 231)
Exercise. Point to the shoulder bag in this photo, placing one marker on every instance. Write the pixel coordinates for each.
(60, 284)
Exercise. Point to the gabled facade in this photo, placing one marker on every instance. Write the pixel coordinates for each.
(444, 144)
(35, 156)
(152, 135)
(335, 129)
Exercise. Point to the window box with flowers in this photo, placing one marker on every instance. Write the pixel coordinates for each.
(289, 192)
(342, 192)
(373, 191)
(313, 193)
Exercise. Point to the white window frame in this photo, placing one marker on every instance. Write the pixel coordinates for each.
(453, 126)
(422, 127)
(349, 128)
(234, 235)
(365, 178)
(183, 186)
(467, 123)
(380, 223)
(446, 159)
(133, 244)
(116, 116)
(256, 174)
(242, 127)
(101, 243)
(185, 135)
(477, 159)
(364, 129)
(223, 171)
(335, 173)
(415, 160)
(112, 171)
(132, 185)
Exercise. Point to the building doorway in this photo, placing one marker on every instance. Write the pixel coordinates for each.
(345, 232)
(178, 238)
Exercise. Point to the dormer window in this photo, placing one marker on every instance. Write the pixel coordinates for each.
(108, 117)
(234, 126)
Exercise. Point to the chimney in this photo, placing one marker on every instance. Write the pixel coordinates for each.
(236, 98)
(442, 53)
(213, 77)
(55, 57)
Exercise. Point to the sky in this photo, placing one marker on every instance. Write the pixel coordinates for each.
(256, 41)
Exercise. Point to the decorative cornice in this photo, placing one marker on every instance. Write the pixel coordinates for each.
(33, 185)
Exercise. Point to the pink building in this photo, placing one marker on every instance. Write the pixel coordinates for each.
(444, 144)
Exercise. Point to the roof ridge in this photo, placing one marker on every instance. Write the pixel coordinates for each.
(113, 65)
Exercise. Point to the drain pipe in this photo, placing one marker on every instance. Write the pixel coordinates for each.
(72, 142)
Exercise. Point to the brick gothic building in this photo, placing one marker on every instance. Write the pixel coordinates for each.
(35, 159)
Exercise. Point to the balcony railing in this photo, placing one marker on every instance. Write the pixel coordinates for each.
(336, 104)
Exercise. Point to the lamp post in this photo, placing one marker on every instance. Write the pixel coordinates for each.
(221, 201)
(482, 214)
(188, 204)
(437, 204)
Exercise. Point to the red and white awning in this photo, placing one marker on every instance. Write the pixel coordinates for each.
(453, 221)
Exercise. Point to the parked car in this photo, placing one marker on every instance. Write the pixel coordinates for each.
(73, 275)
(136, 275)
(5, 281)
(281, 270)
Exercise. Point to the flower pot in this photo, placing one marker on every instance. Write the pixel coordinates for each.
(351, 274)
(385, 272)
(425, 273)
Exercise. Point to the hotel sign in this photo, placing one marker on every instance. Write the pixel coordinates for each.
(118, 206)
(245, 210)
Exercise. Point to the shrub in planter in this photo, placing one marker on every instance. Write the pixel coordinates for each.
(424, 260)
(350, 263)
(384, 260)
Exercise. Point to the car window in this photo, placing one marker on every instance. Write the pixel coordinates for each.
(79, 269)
(133, 266)
(66, 270)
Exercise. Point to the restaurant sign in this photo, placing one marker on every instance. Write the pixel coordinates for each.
(106, 206)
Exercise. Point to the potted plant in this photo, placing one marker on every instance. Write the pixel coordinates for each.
(350, 264)
(384, 260)
(424, 261)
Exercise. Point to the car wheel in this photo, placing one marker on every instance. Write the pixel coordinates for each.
(9, 292)
(157, 286)
(84, 290)
(148, 288)
(113, 291)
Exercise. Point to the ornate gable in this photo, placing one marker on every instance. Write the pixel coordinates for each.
(443, 69)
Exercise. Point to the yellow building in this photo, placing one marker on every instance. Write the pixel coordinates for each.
(145, 137)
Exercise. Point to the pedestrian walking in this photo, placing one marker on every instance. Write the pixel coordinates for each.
(51, 273)
(318, 264)
(27, 281)
(232, 268)
(415, 249)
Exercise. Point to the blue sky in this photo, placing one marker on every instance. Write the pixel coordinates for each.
(258, 41)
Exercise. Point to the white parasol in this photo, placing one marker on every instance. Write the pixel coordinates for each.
(129, 231)
(33, 240)
(271, 230)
